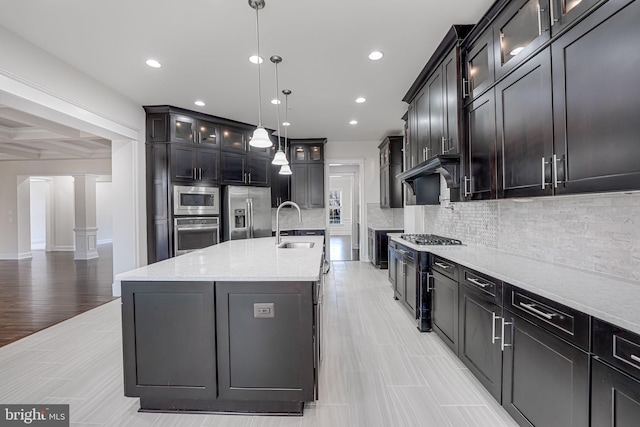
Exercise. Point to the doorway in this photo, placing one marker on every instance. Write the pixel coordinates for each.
(344, 212)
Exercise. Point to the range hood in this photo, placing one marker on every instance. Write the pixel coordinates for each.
(447, 165)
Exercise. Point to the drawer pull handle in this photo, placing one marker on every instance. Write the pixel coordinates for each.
(635, 358)
(532, 308)
(441, 265)
(477, 282)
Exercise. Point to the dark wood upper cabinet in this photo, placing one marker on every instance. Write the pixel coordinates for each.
(436, 118)
(595, 95)
(422, 125)
(525, 129)
(308, 152)
(390, 150)
(518, 31)
(452, 103)
(479, 65)
(480, 181)
(307, 166)
(233, 139)
(564, 12)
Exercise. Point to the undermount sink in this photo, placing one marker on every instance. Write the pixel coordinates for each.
(295, 245)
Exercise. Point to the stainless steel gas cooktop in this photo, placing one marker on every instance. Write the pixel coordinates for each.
(429, 239)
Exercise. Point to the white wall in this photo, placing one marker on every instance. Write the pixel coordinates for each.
(104, 211)
(367, 150)
(39, 190)
(38, 83)
(11, 172)
(63, 214)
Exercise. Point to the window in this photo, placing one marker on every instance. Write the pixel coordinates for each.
(335, 206)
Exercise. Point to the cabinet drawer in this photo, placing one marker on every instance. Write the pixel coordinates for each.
(482, 283)
(565, 322)
(617, 346)
(445, 267)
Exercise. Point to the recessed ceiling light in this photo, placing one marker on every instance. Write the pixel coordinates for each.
(286, 124)
(353, 122)
(276, 101)
(360, 100)
(199, 103)
(375, 55)
(255, 58)
(153, 63)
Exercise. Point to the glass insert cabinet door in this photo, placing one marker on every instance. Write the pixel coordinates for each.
(232, 138)
(522, 27)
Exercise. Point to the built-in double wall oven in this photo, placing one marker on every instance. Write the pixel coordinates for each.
(196, 218)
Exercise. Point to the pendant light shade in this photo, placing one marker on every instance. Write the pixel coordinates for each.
(280, 159)
(260, 137)
(285, 170)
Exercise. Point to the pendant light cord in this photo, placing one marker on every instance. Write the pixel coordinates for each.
(278, 107)
(286, 119)
(259, 80)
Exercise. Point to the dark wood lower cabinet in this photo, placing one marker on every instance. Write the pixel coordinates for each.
(615, 397)
(223, 346)
(270, 356)
(169, 340)
(445, 309)
(545, 379)
(478, 348)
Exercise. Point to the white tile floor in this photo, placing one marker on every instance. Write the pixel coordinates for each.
(378, 370)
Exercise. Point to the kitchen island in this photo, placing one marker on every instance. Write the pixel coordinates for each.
(230, 328)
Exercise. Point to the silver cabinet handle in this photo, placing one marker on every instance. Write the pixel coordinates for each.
(544, 179)
(532, 308)
(540, 10)
(493, 327)
(553, 12)
(444, 141)
(429, 282)
(441, 265)
(635, 358)
(249, 177)
(563, 160)
(477, 282)
(503, 345)
(465, 88)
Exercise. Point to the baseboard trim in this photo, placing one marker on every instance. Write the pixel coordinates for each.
(63, 248)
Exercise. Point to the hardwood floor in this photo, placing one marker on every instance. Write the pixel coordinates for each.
(341, 250)
(49, 288)
(377, 369)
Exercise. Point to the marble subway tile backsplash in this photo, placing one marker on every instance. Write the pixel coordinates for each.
(597, 232)
(378, 217)
(311, 218)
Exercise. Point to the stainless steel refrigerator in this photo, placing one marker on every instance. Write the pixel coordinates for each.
(246, 212)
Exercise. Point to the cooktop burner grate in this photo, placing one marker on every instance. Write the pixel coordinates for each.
(429, 239)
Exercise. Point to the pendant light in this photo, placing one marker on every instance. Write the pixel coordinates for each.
(260, 138)
(279, 158)
(286, 169)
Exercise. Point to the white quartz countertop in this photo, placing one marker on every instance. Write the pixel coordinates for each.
(239, 260)
(399, 229)
(608, 298)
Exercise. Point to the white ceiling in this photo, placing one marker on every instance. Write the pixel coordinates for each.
(203, 46)
(27, 137)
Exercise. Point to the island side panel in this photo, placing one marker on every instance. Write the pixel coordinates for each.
(168, 331)
(265, 340)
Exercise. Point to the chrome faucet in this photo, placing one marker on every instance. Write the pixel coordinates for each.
(295, 205)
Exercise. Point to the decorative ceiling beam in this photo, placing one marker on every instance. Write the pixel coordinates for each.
(20, 152)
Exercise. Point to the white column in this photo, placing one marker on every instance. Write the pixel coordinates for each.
(86, 230)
